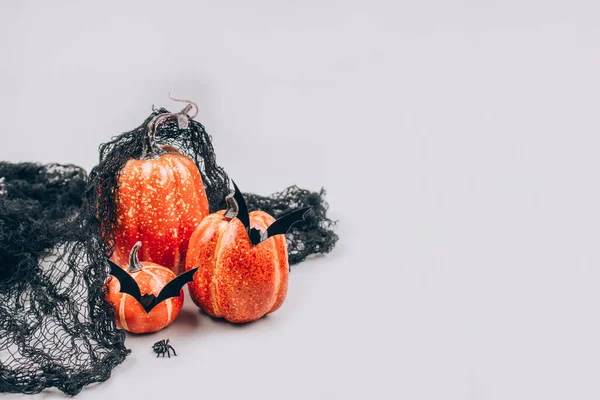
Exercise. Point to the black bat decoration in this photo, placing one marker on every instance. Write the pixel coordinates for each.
(149, 301)
(242, 212)
(281, 226)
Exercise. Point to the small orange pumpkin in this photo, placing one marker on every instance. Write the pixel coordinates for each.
(161, 200)
(245, 268)
(151, 278)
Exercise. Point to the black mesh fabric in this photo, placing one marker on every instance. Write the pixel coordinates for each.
(55, 328)
(56, 224)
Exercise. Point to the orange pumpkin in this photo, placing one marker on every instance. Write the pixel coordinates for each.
(151, 278)
(160, 202)
(241, 279)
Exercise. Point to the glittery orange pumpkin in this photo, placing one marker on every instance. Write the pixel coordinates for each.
(151, 279)
(160, 202)
(238, 281)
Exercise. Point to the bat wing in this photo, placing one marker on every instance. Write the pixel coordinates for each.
(173, 288)
(128, 284)
(284, 223)
(242, 207)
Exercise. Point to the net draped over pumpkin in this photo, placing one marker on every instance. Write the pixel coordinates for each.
(56, 329)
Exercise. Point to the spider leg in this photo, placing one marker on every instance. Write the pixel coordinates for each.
(171, 347)
(157, 354)
(168, 353)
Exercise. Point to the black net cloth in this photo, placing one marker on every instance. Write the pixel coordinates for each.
(56, 223)
(55, 328)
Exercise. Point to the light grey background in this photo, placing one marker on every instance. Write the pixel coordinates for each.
(458, 142)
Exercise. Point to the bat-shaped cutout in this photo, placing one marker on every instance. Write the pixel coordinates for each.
(237, 208)
(242, 208)
(149, 301)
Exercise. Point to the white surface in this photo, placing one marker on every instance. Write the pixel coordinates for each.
(458, 141)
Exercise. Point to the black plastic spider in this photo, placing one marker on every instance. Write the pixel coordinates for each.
(162, 347)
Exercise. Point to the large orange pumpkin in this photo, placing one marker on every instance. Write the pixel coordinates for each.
(151, 278)
(241, 279)
(160, 202)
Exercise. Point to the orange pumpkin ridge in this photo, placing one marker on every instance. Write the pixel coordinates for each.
(130, 315)
(160, 202)
(280, 248)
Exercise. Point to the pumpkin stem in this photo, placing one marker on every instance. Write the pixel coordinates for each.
(187, 108)
(236, 206)
(150, 148)
(232, 206)
(134, 262)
